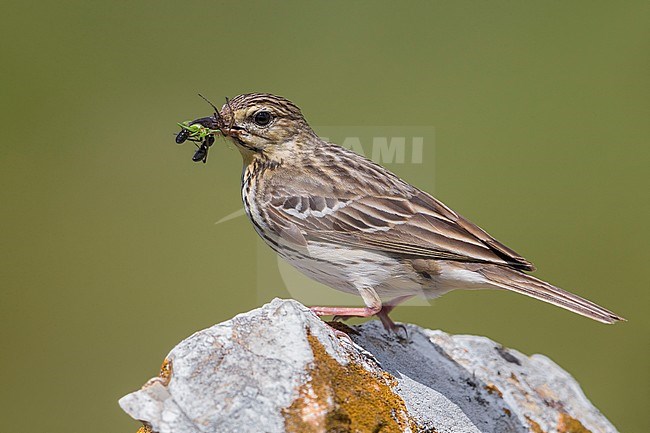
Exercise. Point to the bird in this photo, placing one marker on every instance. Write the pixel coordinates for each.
(353, 225)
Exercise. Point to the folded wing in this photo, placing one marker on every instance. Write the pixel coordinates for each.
(414, 225)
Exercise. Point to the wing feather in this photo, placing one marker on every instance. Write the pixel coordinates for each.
(381, 212)
(367, 223)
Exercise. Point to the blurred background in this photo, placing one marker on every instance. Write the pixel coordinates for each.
(110, 251)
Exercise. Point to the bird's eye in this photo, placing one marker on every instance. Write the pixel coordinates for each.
(262, 118)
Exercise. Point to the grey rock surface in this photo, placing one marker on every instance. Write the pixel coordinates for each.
(279, 368)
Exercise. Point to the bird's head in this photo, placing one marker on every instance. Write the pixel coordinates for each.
(261, 124)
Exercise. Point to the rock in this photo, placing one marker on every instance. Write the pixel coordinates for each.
(281, 369)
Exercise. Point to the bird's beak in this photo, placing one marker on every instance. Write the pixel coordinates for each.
(207, 122)
(231, 131)
(219, 123)
(214, 123)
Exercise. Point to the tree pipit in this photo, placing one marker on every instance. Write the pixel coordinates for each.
(353, 225)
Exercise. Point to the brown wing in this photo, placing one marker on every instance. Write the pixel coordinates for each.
(415, 225)
(338, 196)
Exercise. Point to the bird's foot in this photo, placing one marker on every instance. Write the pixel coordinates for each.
(396, 328)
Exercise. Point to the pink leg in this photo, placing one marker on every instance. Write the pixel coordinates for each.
(381, 311)
(385, 308)
(370, 298)
(346, 311)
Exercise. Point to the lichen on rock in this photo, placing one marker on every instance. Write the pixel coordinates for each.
(281, 369)
(345, 398)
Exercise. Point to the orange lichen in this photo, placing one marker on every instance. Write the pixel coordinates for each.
(345, 399)
(534, 426)
(145, 429)
(492, 389)
(568, 424)
(166, 371)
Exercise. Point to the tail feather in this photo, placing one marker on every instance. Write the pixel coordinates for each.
(519, 282)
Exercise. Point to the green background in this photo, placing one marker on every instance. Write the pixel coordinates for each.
(110, 254)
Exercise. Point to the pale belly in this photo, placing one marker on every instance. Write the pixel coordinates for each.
(348, 270)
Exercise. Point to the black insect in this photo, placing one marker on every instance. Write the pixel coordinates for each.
(182, 136)
(201, 153)
(201, 131)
